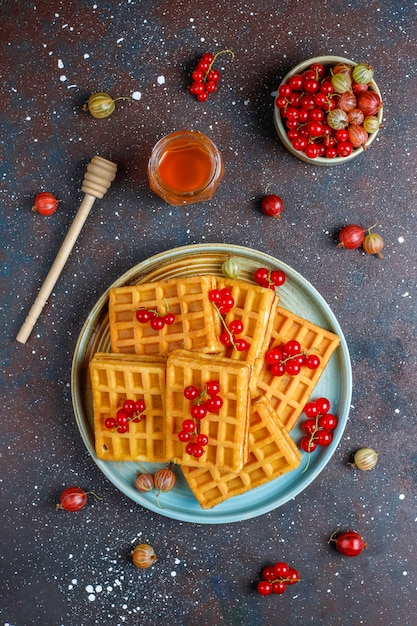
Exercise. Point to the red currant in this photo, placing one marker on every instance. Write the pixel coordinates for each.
(281, 570)
(202, 439)
(143, 316)
(226, 304)
(307, 444)
(213, 75)
(268, 573)
(169, 318)
(278, 369)
(197, 75)
(292, 577)
(122, 417)
(328, 421)
(323, 437)
(191, 392)
(293, 347)
(129, 406)
(311, 151)
(225, 338)
(313, 362)
(214, 295)
(278, 277)
(278, 586)
(188, 426)
(300, 143)
(261, 276)
(344, 148)
(296, 82)
(241, 345)
(194, 450)
(310, 426)
(273, 356)
(110, 423)
(211, 86)
(311, 409)
(323, 405)
(184, 436)
(264, 588)
(214, 404)
(236, 327)
(292, 368)
(212, 387)
(284, 90)
(198, 411)
(139, 406)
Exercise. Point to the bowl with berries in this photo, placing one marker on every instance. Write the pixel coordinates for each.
(328, 110)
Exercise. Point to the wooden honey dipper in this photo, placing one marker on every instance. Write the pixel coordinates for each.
(98, 178)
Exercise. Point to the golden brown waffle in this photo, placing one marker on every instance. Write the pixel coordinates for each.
(115, 378)
(227, 430)
(289, 394)
(195, 326)
(255, 306)
(272, 453)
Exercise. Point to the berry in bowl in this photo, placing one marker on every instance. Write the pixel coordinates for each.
(328, 110)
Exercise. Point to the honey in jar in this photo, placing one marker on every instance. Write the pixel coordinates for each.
(185, 167)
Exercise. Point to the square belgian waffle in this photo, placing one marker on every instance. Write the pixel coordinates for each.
(255, 307)
(289, 394)
(116, 378)
(272, 453)
(195, 326)
(227, 429)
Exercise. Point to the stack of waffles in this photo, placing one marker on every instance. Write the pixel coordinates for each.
(249, 440)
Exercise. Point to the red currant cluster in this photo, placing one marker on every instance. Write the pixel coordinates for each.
(289, 358)
(131, 411)
(269, 278)
(205, 78)
(157, 320)
(206, 401)
(322, 113)
(318, 426)
(224, 302)
(275, 578)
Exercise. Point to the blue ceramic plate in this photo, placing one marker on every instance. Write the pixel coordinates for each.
(296, 295)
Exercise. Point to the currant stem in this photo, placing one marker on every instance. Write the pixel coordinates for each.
(225, 326)
(214, 59)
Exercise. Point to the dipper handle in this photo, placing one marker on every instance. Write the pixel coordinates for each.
(98, 178)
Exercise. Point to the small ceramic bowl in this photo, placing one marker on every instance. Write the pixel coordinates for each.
(328, 62)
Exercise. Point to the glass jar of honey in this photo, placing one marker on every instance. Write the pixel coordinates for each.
(185, 167)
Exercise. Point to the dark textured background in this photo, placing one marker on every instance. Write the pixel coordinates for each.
(74, 570)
